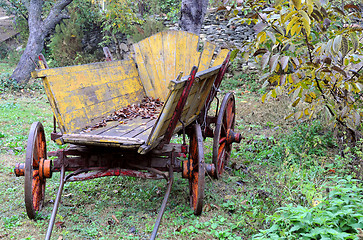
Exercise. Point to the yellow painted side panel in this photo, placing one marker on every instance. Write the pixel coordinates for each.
(207, 55)
(81, 95)
(220, 57)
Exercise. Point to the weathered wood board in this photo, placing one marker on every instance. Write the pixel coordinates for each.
(82, 95)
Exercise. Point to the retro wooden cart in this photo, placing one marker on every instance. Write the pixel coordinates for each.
(83, 95)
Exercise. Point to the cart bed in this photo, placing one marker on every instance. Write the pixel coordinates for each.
(132, 134)
(83, 95)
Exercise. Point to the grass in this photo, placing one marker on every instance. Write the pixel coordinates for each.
(272, 171)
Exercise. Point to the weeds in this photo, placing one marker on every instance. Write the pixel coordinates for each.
(336, 216)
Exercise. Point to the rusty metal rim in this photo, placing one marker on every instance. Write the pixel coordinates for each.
(197, 178)
(225, 122)
(34, 185)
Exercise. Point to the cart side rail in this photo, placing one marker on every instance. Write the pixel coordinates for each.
(82, 95)
(195, 102)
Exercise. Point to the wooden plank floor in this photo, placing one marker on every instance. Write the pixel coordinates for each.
(137, 128)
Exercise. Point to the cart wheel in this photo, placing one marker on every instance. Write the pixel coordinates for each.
(34, 187)
(224, 134)
(194, 169)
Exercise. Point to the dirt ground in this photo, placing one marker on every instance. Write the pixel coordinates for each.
(6, 26)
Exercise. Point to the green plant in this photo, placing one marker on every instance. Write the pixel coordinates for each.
(337, 217)
(149, 27)
(119, 17)
(312, 52)
(66, 43)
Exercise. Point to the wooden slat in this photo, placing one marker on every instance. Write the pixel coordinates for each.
(152, 66)
(220, 57)
(180, 53)
(157, 54)
(89, 139)
(143, 73)
(123, 129)
(169, 45)
(140, 129)
(206, 56)
(191, 53)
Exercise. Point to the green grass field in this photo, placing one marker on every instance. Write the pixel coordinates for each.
(278, 164)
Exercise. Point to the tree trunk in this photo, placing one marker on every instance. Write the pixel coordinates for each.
(38, 30)
(192, 15)
(26, 64)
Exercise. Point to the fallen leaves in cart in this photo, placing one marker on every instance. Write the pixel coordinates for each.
(149, 108)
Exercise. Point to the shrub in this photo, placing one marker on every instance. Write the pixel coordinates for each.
(312, 52)
(337, 216)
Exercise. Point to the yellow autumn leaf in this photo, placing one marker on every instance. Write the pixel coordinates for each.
(297, 4)
(296, 29)
(291, 23)
(310, 5)
(265, 96)
(289, 15)
(305, 16)
(306, 26)
(261, 37)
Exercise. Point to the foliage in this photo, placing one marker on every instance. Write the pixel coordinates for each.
(119, 17)
(148, 28)
(3, 50)
(66, 46)
(313, 53)
(337, 216)
(10, 85)
(66, 43)
(168, 8)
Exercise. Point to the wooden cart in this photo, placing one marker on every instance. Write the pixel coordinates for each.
(83, 95)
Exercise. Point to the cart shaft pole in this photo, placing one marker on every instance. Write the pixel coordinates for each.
(56, 204)
(163, 205)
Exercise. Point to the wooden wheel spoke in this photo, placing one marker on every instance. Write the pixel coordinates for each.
(222, 140)
(231, 121)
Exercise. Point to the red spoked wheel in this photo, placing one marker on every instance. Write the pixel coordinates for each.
(34, 186)
(224, 134)
(194, 169)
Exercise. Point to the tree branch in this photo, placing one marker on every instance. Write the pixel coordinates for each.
(55, 15)
(307, 45)
(272, 26)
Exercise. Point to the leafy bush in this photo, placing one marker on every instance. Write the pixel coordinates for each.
(337, 216)
(313, 52)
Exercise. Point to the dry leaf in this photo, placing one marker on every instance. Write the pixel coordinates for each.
(114, 218)
(59, 224)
